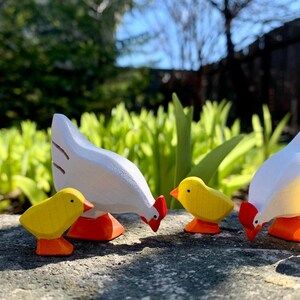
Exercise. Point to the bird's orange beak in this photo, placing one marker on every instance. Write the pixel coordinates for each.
(174, 193)
(87, 205)
(251, 233)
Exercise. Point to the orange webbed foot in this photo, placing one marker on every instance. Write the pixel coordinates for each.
(54, 247)
(199, 226)
(103, 228)
(286, 228)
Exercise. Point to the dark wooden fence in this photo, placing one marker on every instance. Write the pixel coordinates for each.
(272, 68)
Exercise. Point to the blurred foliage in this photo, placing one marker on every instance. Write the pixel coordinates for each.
(267, 139)
(166, 146)
(59, 56)
(25, 166)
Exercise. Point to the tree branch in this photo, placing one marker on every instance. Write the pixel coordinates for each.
(240, 6)
(215, 5)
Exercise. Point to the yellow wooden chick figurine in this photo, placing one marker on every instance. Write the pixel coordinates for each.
(49, 219)
(207, 205)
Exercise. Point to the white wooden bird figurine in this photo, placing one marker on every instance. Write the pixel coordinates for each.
(110, 181)
(274, 193)
(49, 219)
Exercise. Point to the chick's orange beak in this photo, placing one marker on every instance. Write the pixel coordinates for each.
(174, 193)
(87, 205)
(251, 233)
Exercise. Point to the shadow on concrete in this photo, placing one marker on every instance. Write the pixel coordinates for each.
(157, 265)
(289, 266)
(190, 265)
(18, 247)
(17, 250)
(197, 265)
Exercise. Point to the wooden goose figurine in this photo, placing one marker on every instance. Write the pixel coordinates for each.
(110, 181)
(274, 193)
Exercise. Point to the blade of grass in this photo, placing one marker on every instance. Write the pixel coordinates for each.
(184, 146)
(183, 130)
(208, 166)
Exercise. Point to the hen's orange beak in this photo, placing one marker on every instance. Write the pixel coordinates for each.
(174, 193)
(87, 205)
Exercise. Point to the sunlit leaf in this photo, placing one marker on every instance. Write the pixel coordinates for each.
(208, 166)
(30, 189)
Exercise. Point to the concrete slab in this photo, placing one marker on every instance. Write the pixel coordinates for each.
(140, 264)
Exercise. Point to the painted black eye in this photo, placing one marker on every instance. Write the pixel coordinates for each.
(72, 200)
(188, 191)
(155, 217)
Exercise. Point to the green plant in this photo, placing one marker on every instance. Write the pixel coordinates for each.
(166, 146)
(214, 119)
(184, 147)
(255, 148)
(24, 164)
(267, 139)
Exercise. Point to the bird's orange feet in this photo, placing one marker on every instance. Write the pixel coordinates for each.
(103, 228)
(198, 226)
(54, 247)
(286, 228)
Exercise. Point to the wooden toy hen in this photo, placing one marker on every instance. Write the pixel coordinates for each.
(207, 205)
(110, 181)
(49, 219)
(274, 193)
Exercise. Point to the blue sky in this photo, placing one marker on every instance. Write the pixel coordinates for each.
(151, 54)
(134, 25)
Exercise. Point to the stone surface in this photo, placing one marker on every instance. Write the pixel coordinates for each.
(140, 264)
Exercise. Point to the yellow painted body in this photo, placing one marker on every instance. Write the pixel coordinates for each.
(203, 202)
(50, 218)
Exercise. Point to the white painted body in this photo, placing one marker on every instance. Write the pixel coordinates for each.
(275, 187)
(108, 180)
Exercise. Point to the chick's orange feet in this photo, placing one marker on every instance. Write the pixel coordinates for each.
(54, 247)
(198, 226)
(103, 228)
(286, 228)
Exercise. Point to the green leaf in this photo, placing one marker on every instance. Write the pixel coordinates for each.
(234, 183)
(241, 150)
(258, 129)
(184, 145)
(29, 188)
(277, 133)
(208, 166)
(184, 151)
(267, 123)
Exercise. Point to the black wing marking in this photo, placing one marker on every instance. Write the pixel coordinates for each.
(58, 167)
(64, 153)
(61, 150)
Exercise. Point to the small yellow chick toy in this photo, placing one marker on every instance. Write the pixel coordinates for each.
(49, 219)
(207, 205)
